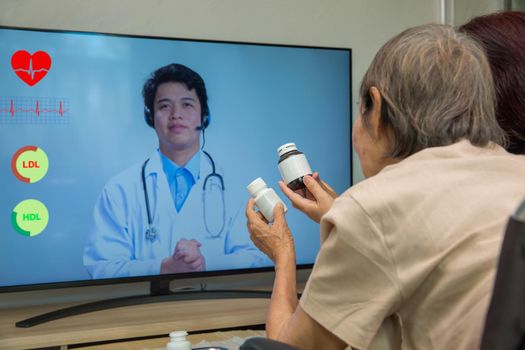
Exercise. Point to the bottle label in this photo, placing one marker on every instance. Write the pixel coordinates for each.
(294, 167)
(267, 202)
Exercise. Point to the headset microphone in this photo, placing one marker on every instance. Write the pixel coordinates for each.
(204, 123)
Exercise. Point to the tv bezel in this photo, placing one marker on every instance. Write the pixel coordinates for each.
(190, 275)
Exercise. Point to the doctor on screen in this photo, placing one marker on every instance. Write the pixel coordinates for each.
(169, 214)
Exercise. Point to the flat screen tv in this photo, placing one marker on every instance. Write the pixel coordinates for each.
(126, 158)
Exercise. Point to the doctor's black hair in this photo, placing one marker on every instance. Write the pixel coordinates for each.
(175, 73)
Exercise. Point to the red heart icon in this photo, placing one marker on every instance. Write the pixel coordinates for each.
(31, 68)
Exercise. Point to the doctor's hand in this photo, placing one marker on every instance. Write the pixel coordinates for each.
(186, 258)
(318, 199)
(275, 240)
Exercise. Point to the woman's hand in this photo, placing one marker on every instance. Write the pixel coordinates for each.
(317, 200)
(275, 240)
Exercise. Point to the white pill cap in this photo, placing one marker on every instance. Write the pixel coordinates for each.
(287, 147)
(255, 186)
(178, 334)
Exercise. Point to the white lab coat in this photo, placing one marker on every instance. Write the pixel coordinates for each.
(117, 245)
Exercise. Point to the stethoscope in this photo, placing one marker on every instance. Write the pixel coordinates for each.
(151, 233)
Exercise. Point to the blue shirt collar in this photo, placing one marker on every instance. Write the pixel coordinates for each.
(170, 168)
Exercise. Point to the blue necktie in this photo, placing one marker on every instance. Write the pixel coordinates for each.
(183, 183)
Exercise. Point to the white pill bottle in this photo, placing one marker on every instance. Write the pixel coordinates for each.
(265, 198)
(178, 341)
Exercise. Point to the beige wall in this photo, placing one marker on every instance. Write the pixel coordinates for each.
(363, 25)
(464, 10)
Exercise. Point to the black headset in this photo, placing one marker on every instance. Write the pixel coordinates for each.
(148, 117)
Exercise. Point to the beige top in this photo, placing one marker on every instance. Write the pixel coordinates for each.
(418, 241)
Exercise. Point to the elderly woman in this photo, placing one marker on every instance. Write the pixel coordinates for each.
(501, 36)
(417, 241)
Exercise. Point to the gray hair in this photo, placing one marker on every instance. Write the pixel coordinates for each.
(436, 88)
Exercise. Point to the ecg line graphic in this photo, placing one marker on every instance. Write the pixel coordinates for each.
(37, 110)
(30, 70)
(33, 110)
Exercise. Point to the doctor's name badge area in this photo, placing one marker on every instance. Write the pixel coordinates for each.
(29, 165)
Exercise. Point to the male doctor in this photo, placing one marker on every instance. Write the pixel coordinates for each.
(153, 217)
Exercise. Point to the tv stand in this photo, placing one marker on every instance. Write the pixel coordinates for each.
(159, 292)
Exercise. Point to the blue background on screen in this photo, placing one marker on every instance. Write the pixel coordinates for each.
(260, 97)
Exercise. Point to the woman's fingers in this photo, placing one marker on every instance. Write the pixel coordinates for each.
(298, 201)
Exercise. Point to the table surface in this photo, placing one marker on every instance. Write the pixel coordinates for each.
(212, 339)
(130, 322)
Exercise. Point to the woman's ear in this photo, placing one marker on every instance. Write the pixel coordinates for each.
(375, 112)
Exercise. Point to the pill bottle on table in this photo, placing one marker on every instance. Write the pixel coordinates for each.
(178, 341)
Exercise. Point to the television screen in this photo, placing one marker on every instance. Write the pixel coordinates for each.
(127, 158)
